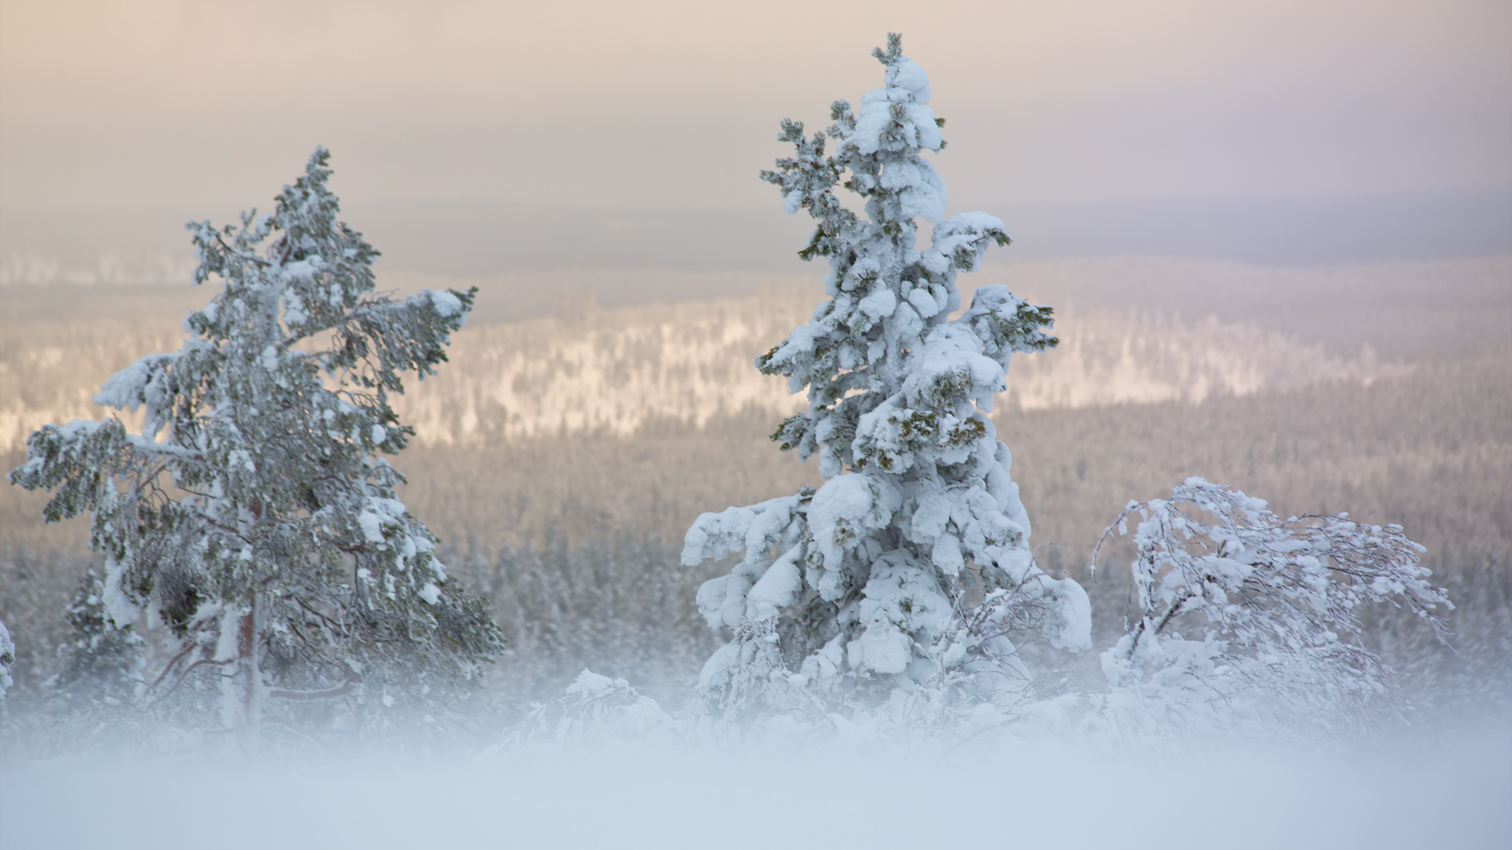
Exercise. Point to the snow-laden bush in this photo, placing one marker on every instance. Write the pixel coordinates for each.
(595, 712)
(905, 579)
(252, 517)
(1248, 619)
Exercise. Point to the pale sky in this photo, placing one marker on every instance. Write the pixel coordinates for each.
(674, 105)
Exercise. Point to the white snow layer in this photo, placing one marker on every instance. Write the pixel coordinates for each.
(857, 795)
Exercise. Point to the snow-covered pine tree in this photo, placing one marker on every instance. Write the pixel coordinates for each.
(1246, 619)
(905, 574)
(252, 516)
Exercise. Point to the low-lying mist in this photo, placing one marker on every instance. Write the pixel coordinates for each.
(1447, 791)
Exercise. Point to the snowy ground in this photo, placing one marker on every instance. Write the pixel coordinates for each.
(1453, 795)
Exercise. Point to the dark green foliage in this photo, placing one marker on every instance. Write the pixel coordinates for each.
(102, 662)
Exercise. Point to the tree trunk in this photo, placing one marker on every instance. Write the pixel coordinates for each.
(241, 690)
(251, 679)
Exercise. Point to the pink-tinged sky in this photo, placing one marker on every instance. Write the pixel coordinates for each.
(210, 106)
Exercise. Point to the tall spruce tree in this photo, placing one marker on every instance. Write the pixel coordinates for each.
(252, 516)
(908, 574)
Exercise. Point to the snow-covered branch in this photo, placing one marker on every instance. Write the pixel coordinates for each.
(1247, 616)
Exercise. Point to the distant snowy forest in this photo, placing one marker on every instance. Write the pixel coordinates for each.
(573, 468)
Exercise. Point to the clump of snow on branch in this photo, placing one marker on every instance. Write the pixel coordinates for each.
(907, 577)
(1245, 617)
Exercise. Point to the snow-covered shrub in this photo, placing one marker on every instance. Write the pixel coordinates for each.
(1246, 618)
(595, 711)
(252, 517)
(902, 578)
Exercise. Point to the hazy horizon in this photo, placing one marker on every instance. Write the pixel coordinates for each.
(474, 140)
(671, 105)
